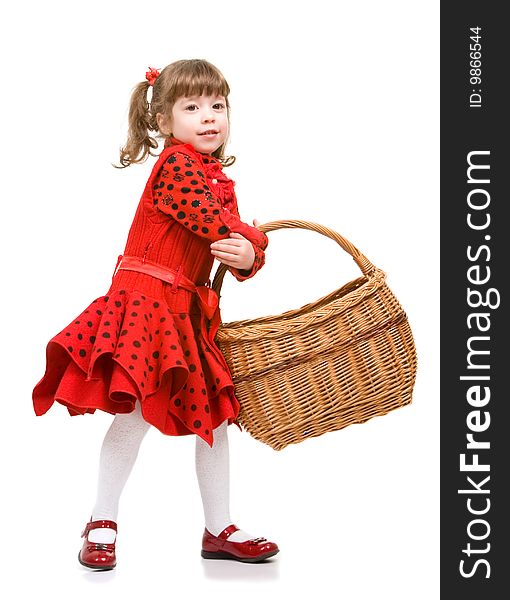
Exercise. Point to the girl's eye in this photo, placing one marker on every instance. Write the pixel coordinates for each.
(191, 107)
(219, 105)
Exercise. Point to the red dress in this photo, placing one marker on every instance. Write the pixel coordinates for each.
(147, 339)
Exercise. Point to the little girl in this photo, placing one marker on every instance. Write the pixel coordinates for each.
(145, 351)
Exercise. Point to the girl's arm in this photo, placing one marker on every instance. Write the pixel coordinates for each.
(180, 190)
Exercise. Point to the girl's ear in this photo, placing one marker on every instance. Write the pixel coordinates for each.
(164, 123)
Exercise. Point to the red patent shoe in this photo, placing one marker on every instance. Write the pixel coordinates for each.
(98, 556)
(251, 551)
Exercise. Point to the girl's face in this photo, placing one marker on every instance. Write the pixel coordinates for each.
(199, 120)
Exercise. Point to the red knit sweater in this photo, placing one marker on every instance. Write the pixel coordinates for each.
(187, 204)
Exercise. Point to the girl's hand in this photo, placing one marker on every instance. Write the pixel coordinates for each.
(235, 251)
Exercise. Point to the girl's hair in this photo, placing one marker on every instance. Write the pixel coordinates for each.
(180, 78)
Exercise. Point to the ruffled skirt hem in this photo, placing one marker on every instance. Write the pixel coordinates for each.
(127, 347)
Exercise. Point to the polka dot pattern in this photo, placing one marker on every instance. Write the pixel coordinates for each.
(161, 358)
(203, 201)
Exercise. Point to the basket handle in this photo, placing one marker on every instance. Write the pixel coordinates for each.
(363, 263)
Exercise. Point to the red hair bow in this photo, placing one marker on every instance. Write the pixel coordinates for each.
(151, 75)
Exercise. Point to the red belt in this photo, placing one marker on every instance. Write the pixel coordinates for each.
(207, 297)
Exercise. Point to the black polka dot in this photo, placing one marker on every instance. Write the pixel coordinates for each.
(123, 332)
(192, 368)
(191, 390)
(173, 347)
(107, 323)
(106, 334)
(193, 407)
(136, 344)
(181, 214)
(134, 314)
(185, 190)
(70, 348)
(131, 368)
(80, 336)
(207, 409)
(155, 354)
(177, 402)
(197, 424)
(118, 303)
(136, 302)
(82, 352)
(134, 356)
(222, 230)
(156, 305)
(92, 339)
(68, 334)
(89, 323)
(99, 312)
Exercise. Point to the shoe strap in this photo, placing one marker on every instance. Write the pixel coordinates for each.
(102, 524)
(228, 531)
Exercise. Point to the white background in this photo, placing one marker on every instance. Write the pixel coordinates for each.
(335, 119)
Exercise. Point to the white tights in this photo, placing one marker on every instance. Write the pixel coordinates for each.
(118, 455)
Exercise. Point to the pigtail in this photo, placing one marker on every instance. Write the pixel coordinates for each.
(139, 143)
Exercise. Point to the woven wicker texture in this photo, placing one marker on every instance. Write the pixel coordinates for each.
(343, 359)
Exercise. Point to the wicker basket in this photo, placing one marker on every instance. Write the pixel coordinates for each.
(343, 359)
